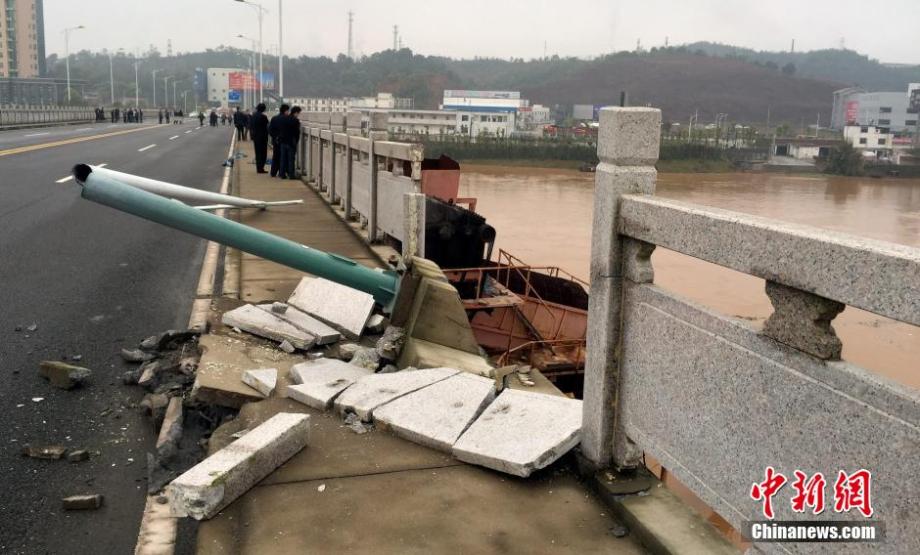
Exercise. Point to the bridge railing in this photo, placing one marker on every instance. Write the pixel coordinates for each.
(375, 181)
(13, 115)
(717, 401)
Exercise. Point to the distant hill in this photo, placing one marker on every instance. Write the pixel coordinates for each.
(836, 65)
(681, 80)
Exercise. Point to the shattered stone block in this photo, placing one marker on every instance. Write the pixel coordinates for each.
(322, 334)
(375, 390)
(136, 355)
(341, 307)
(391, 343)
(262, 380)
(62, 375)
(376, 323)
(521, 432)
(221, 478)
(435, 416)
(346, 351)
(264, 323)
(82, 502)
(50, 452)
(366, 357)
(318, 383)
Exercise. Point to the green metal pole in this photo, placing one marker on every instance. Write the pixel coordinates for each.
(102, 189)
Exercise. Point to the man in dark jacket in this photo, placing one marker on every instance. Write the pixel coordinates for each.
(274, 131)
(258, 129)
(288, 139)
(239, 120)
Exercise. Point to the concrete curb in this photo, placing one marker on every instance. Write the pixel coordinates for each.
(47, 124)
(158, 528)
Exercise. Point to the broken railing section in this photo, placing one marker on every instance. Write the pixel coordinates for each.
(688, 386)
(375, 181)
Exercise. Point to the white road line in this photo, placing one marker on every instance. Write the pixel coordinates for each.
(37, 134)
(64, 179)
(148, 147)
(189, 131)
(197, 128)
(174, 137)
(85, 129)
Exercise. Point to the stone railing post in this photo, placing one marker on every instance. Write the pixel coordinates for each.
(373, 136)
(628, 145)
(320, 186)
(349, 165)
(413, 225)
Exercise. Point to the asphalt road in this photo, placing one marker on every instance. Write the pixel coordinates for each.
(93, 280)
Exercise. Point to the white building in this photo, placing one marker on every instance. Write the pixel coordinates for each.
(868, 137)
(483, 101)
(318, 104)
(383, 101)
(422, 122)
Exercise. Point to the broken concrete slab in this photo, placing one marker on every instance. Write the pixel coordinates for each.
(62, 375)
(287, 347)
(391, 343)
(217, 481)
(265, 323)
(376, 323)
(322, 334)
(375, 390)
(341, 307)
(262, 380)
(521, 432)
(424, 354)
(366, 357)
(82, 502)
(50, 452)
(318, 383)
(346, 351)
(435, 416)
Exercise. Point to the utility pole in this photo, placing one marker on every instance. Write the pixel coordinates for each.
(351, 43)
(792, 49)
(67, 54)
(111, 80)
(166, 90)
(137, 91)
(155, 87)
(280, 52)
(174, 94)
(395, 37)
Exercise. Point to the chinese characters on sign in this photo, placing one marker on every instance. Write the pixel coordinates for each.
(851, 491)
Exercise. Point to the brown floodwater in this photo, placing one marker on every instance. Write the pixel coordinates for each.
(543, 216)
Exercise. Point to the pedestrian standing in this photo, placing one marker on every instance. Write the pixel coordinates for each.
(166, 111)
(274, 132)
(239, 121)
(213, 118)
(160, 115)
(200, 118)
(140, 115)
(258, 130)
(290, 136)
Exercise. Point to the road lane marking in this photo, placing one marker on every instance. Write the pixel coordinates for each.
(37, 134)
(86, 129)
(148, 147)
(197, 128)
(30, 148)
(189, 131)
(64, 179)
(174, 137)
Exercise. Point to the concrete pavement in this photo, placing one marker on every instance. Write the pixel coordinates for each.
(93, 280)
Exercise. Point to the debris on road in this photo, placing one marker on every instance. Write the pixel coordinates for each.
(353, 422)
(31, 328)
(341, 307)
(319, 383)
(322, 334)
(136, 355)
(287, 347)
(221, 478)
(82, 502)
(346, 351)
(279, 308)
(391, 343)
(63, 375)
(376, 324)
(78, 455)
(267, 324)
(49, 452)
(262, 380)
(366, 357)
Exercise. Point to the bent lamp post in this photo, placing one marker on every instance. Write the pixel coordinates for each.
(104, 189)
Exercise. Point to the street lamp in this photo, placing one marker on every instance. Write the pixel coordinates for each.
(111, 80)
(185, 102)
(280, 52)
(166, 90)
(258, 7)
(137, 92)
(67, 32)
(251, 101)
(155, 87)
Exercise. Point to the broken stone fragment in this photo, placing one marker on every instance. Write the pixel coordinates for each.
(262, 380)
(287, 347)
(82, 502)
(375, 324)
(279, 308)
(341, 307)
(267, 324)
(131, 377)
(366, 357)
(136, 355)
(322, 333)
(170, 340)
(150, 344)
(78, 455)
(221, 478)
(63, 375)
(391, 343)
(389, 369)
(346, 351)
(375, 390)
(49, 452)
(318, 383)
(154, 405)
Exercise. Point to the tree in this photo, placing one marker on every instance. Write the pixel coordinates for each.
(789, 69)
(845, 160)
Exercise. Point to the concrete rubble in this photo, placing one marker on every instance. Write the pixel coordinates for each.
(262, 380)
(366, 357)
(322, 334)
(376, 323)
(82, 502)
(62, 375)
(436, 415)
(521, 432)
(50, 452)
(375, 390)
(341, 307)
(217, 481)
(265, 323)
(318, 383)
(136, 355)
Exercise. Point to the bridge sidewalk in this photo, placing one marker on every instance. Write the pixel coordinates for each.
(375, 493)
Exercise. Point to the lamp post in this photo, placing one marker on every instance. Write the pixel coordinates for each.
(155, 87)
(280, 52)
(174, 93)
(258, 7)
(137, 92)
(67, 32)
(185, 102)
(111, 80)
(166, 90)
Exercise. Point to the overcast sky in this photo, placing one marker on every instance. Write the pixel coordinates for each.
(495, 28)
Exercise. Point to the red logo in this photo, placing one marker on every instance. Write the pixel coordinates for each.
(764, 491)
(851, 491)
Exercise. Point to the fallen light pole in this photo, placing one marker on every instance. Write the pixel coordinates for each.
(213, 201)
(104, 188)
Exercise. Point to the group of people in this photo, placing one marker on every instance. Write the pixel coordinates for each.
(130, 115)
(283, 130)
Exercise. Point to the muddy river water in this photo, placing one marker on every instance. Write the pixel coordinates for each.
(543, 216)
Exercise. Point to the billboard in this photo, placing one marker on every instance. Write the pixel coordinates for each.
(234, 96)
(268, 80)
(507, 95)
(200, 81)
(852, 111)
(913, 98)
(244, 80)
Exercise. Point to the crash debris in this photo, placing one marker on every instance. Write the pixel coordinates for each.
(82, 502)
(262, 380)
(341, 307)
(63, 375)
